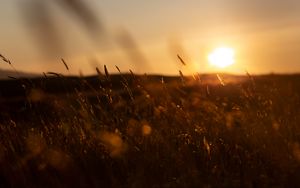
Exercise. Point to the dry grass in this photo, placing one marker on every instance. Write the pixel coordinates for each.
(140, 131)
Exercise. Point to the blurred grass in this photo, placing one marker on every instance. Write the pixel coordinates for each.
(150, 131)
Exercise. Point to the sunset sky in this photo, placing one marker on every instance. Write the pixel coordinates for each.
(264, 34)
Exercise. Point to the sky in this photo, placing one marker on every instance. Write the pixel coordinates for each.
(264, 34)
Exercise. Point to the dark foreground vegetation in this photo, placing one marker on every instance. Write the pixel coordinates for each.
(150, 131)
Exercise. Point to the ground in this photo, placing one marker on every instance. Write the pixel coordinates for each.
(150, 131)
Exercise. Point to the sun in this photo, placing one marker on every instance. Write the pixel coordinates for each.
(222, 57)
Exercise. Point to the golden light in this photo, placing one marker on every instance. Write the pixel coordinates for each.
(222, 57)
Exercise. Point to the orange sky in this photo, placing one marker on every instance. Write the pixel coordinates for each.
(265, 36)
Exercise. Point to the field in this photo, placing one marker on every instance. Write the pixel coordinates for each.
(130, 130)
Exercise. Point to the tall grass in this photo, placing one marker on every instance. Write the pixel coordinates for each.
(139, 131)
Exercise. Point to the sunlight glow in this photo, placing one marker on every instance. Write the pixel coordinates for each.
(222, 57)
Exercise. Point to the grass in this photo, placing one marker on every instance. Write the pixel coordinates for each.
(150, 131)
